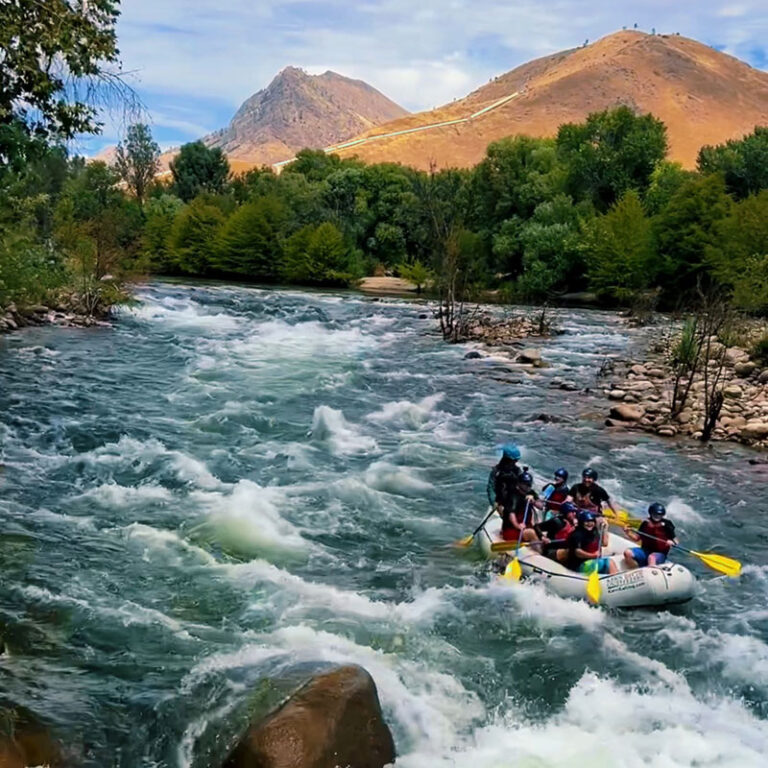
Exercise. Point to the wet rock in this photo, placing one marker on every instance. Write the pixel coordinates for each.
(10, 322)
(744, 369)
(568, 386)
(616, 394)
(473, 355)
(423, 316)
(614, 423)
(334, 720)
(551, 418)
(530, 355)
(627, 412)
(666, 430)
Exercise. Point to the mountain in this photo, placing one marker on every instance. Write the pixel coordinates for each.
(704, 97)
(298, 110)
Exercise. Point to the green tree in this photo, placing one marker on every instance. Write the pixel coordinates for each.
(194, 236)
(160, 213)
(619, 249)
(314, 164)
(250, 242)
(611, 152)
(666, 179)
(743, 162)
(739, 256)
(317, 255)
(47, 48)
(684, 231)
(137, 160)
(197, 169)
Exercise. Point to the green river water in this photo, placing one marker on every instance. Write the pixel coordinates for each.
(231, 481)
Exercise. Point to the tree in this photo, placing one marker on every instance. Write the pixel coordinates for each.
(685, 230)
(198, 169)
(743, 162)
(611, 152)
(250, 242)
(619, 249)
(739, 256)
(159, 215)
(55, 56)
(194, 234)
(137, 160)
(316, 255)
(666, 179)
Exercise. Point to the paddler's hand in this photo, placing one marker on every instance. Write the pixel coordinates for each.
(628, 531)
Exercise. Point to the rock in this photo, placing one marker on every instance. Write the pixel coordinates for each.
(735, 355)
(10, 322)
(568, 386)
(732, 391)
(615, 423)
(656, 373)
(638, 370)
(763, 377)
(473, 355)
(616, 394)
(627, 412)
(630, 398)
(684, 417)
(755, 430)
(666, 430)
(529, 355)
(550, 418)
(744, 369)
(333, 720)
(641, 385)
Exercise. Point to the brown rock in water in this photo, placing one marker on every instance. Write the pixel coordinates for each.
(616, 394)
(334, 720)
(530, 355)
(26, 742)
(627, 412)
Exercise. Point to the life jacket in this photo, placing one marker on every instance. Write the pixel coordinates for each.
(565, 531)
(557, 496)
(591, 545)
(515, 506)
(657, 530)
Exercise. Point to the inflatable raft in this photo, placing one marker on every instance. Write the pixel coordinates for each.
(656, 585)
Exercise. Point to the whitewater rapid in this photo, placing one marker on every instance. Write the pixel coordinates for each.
(232, 481)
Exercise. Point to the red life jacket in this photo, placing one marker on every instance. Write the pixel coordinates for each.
(565, 531)
(593, 546)
(558, 496)
(658, 531)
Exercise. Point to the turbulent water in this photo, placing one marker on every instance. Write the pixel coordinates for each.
(231, 481)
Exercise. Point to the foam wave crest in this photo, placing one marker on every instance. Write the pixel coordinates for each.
(343, 439)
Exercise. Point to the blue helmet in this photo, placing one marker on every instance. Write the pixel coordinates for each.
(589, 472)
(510, 451)
(561, 474)
(657, 509)
(585, 516)
(568, 507)
(526, 478)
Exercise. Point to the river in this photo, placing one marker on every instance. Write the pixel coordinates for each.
(233, 480)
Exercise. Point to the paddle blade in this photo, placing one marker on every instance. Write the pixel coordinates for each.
(720, 563)
(465, 542)
(593, 587)
(513, 571)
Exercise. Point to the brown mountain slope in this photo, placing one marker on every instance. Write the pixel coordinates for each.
(703, 96)
(299, 110)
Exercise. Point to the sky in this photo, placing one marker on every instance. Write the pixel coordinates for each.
(193, 62)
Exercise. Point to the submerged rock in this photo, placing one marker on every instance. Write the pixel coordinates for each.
(530, 355)
(333, 720)
(473, 355)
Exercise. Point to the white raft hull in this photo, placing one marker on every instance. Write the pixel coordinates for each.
(658, 585)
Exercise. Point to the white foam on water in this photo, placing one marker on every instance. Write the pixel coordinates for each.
(247, 519)
(535, 603)
(397, 480)
(608, 725)
(406, 413)
(743, 658)
(677, 509)
(114, 495)
(343, 439)
(163, 543)
(185, 314)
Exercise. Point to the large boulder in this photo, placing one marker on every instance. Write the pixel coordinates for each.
(530, 355)
(755, 430)
(744, 369)
(627, 412)
(333, 720)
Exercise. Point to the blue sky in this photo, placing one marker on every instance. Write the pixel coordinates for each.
(194, 61)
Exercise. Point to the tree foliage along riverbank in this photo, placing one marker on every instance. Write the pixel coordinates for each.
(597, 208)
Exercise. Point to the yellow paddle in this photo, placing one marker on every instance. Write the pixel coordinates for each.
(719, 563)
(593, 587)
(467, 540)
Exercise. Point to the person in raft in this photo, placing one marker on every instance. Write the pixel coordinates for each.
(655, 535)
(503, 478)
(554, 494)
(589, 495)
(553, 533)
(585, 543)
(517, 513)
